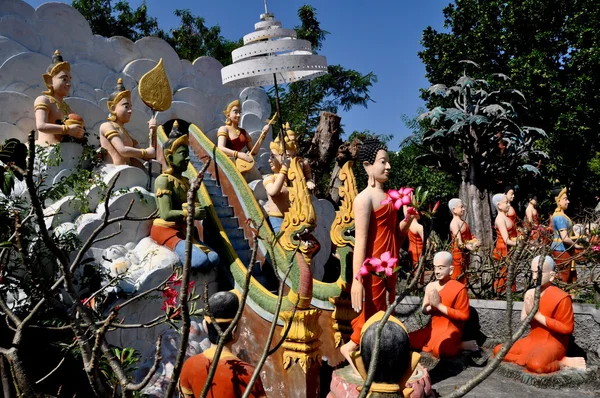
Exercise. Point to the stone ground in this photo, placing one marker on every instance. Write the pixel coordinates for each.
(499, 386)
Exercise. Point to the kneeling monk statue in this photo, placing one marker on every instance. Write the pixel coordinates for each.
(171, 190)
(545, 347)
(447, 301)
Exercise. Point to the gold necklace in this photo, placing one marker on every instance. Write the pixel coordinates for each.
(62, 106)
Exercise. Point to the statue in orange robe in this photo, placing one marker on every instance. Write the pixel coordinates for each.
(462, 240)
(545, 347)
(447, 301)
(377, 231)
(509, 191)
(506, 235)
(415, 243)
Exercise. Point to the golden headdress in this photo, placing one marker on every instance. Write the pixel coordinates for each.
(290, 141)
(117, 95)
(58, 65)
(229, 108)
(563, 192)
(176, 139)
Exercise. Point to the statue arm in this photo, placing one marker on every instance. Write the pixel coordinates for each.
(164, 192)
(501, 225)
(108, 131)
(456, 235)
(403, 228)
(274, 185)
(564, 235)
(42, 108)
(427, 308)
(564, 321)
(222, 141)
(460, 311)
(362, 216)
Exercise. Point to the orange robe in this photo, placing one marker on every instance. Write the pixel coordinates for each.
(512, 217)
(545, 346)
(442, 336)
(230, 380)
(461, 257)
(500, 252)
(382, 237)
(415, 248)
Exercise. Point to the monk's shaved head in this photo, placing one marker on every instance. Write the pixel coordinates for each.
(442, 258)
(548, 264)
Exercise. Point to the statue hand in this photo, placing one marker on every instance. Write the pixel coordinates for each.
(285, 162)
(434, 298)
(310, 185)
(244, 156)
(152, 124)
(528, 304)
(199, 213)
(75, 131)
(150, 153)
(357, 293)
(265, 130)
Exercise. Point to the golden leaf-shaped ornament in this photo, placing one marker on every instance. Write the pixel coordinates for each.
(155, 90)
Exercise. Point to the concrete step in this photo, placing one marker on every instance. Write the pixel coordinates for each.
(230, 223)
(214, 190)
(235, 233)
(220, 201)
(210, 182)
(223, 212)
(239, 243)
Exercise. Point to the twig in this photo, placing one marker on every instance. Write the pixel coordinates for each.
(52, 371)
(185, 277)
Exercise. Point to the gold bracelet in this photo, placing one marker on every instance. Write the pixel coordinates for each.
(144, 153)
(235, 154)
(283, 171)
(65, 129)
(184, 213)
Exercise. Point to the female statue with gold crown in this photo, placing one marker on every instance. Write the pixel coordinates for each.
(235, 142)
(562, 242)
(53, 117)
(171, 190)
(115, 139)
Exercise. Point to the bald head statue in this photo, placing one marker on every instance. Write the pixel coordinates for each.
(548, 269)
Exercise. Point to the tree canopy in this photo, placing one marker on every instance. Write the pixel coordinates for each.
(551, 51)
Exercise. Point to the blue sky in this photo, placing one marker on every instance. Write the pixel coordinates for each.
(379, 36)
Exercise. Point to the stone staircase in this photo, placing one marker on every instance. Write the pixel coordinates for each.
(265, 275)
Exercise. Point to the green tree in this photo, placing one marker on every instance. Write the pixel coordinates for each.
(118, 20)
(193, 39)
(550, 49)
(340, 88)
(480, 141)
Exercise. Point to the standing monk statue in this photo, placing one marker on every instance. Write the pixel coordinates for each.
(545, 347)
(377, 231)
(562, 242)
(53, 117)
(509, 191)
(114, 137)
(462, 240)
(506, 237)
(171, 190)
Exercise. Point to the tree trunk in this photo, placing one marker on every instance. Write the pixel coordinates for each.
(6, 378)
(479, 215)
(323, 148)
(348, 151)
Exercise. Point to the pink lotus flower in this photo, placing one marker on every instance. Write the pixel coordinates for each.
(596, 248)
(381, 267)
(400, 197)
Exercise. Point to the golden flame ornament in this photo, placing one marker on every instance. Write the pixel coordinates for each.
(154, 88)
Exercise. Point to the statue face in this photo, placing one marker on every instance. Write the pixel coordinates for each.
(459, 209)
(275, 162)
(533, 201)
(503, 205)
(380, 169)
(547, 273)
(234, 114)
(564, 202)
(510, 195)
(180, 158)
(123, 110)
(61, 83)
(442, 270)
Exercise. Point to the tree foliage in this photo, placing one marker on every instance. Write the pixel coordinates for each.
(483, 123)
(550, 49)
(118, 20)
(340, 88)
